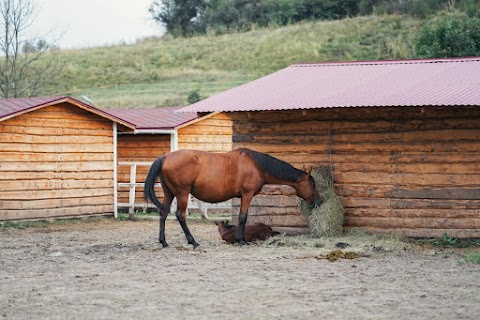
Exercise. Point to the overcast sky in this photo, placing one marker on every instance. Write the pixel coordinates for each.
(89, 23)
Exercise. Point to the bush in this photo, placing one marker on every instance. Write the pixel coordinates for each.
(449, 35)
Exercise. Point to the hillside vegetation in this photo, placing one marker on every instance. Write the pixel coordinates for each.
(164, 71)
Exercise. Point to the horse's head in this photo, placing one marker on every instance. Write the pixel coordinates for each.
(306, 190)
(223, 227)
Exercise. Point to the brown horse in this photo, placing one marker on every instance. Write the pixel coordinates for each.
(217, 177)
(257, 231)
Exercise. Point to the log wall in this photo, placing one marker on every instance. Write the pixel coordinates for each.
(410, 171)
(212, 134)
(56, 162)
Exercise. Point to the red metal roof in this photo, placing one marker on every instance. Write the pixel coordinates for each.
(439, 82)
(13, 107)
(154, 118)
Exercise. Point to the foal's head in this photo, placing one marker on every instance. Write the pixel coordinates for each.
(306, 190)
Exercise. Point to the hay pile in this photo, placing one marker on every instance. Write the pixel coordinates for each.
(326, 220)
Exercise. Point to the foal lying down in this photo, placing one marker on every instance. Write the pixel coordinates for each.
(258, 231)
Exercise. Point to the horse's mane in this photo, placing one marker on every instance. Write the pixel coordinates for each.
(275, 167)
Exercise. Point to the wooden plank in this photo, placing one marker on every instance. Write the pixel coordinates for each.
(29, 130)
(52, 157)
(425, 232)
(52, 148)
(6, 215)
(414, 213)
(411, 179)
(386, 203)
(55, 203)
(53, 184)
(82, 175)
(290, 221)
(412, 223)
(57, 166)
(61, 123)
(55, 194)
(51, 139)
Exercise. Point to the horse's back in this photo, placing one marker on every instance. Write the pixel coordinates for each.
(210, 177)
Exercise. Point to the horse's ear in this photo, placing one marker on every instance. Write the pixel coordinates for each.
(309, 171)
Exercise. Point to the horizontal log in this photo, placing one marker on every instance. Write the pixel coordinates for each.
(412, 223)
(392, 167)
(54, 194)
(6, 215)
(55, 203)
(34, 175)
(382, 203)
(425, 233)
(410, 179)
(273, 211)
(362, 147)
(144, 144)
(63, 111)
(29, 130)
(58, 139)
(414, 213)
(291, 221)
(57, 166)
(92, 124)
(142, 153)
(54, 157)
(435, 193)
(425, 113)
(205, 138)
(410, 192)
(53, 184)
(211, 147)
(350, 125)
(269, 201)
(52, 148)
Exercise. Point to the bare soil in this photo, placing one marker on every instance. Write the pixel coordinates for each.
(116, 270)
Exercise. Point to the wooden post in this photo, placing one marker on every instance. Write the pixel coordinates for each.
(131, 194)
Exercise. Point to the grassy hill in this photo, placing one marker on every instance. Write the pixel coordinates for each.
(164, 71)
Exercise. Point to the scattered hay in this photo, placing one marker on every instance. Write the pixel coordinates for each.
(339, 254)
(326, 220)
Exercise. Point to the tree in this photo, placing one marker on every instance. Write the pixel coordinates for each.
(178, 16)
(25, 68)
(450, 35)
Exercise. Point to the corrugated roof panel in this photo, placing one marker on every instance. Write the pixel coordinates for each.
(442, 82)
(154, 118)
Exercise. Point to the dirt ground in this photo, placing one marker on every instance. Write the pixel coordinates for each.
(115, 270)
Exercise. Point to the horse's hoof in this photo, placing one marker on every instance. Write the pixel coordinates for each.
(164, 244)
(195, 245)
(242, 242)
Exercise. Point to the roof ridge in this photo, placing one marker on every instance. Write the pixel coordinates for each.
(385, 62)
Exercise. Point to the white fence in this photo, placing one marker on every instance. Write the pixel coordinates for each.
(193, 203)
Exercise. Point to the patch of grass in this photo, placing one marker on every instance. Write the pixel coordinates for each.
(447, 241)
(473, 257)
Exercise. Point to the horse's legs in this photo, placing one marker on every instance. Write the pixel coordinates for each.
(167, 202)
(242, 218)
(182, 202)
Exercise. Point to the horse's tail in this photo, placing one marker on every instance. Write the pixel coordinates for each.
(149, 190)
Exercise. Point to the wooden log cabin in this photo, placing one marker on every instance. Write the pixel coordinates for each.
(401, 137)
(57, 158)
(157, 132)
